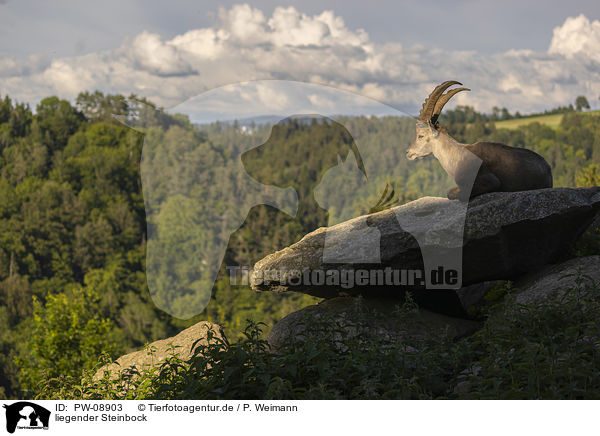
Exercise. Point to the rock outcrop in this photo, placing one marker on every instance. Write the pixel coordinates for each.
(594, 227)
(183, 342)
(366, 319)
(500, 236)
(578, 274)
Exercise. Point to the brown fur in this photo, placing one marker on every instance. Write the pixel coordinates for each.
(503, 168)
(500, 168)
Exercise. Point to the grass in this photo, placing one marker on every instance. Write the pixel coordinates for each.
(550, 120)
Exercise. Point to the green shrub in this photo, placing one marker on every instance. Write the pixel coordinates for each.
(66, 339)
(546, 351)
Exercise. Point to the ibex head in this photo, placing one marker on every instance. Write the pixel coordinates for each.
(428, 128)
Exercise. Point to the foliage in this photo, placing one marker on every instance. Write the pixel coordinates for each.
(386, 200)
(545, 351)
(67, 337)
(549, 350)
(581, 103)
(232, 306)
(587, 177)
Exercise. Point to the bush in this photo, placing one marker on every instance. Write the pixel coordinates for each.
(66, 339)
(543, 351)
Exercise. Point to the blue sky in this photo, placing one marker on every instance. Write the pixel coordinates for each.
(524, 55)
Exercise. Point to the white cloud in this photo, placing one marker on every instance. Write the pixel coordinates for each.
(150, 53)
(294, 29)
(201, 43)
(269, 98)
(577, 36)
(245, 24)
(67, 78)
(244, 44)
(320, 101)
(10, 67)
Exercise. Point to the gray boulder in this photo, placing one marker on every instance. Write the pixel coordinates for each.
(499, 236)
(183, 342)
(594, 227)
(375, 319)
(474, 299)
(579, 274)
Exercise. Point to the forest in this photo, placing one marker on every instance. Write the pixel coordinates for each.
(80, 192)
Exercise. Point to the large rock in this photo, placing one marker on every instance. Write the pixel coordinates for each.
(536, 287)
(373, 319)
(578, 274)
(474, 299)
(183, 342)
(594, 227)
(500, 236)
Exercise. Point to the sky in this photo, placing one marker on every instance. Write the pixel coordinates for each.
(523, 55)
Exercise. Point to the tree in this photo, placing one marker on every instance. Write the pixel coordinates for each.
(581, 103)
(5, 109)
(588, 177)
(68, 337)
(495, 114)
(97, 106)
(57, 120)
(20, 120)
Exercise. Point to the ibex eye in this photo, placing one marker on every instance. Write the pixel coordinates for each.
(420, 136)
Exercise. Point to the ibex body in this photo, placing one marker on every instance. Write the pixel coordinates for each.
(480, 167)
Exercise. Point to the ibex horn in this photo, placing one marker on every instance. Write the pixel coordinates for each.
(439, 105)
(429, 105)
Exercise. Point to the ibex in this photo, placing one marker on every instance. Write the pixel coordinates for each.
(503, 168)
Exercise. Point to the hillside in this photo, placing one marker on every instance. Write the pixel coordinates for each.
(552, 121)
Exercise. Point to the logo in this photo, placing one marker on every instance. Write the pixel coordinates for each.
(26, 415)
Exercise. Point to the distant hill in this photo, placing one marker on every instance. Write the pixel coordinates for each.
(549, 120)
